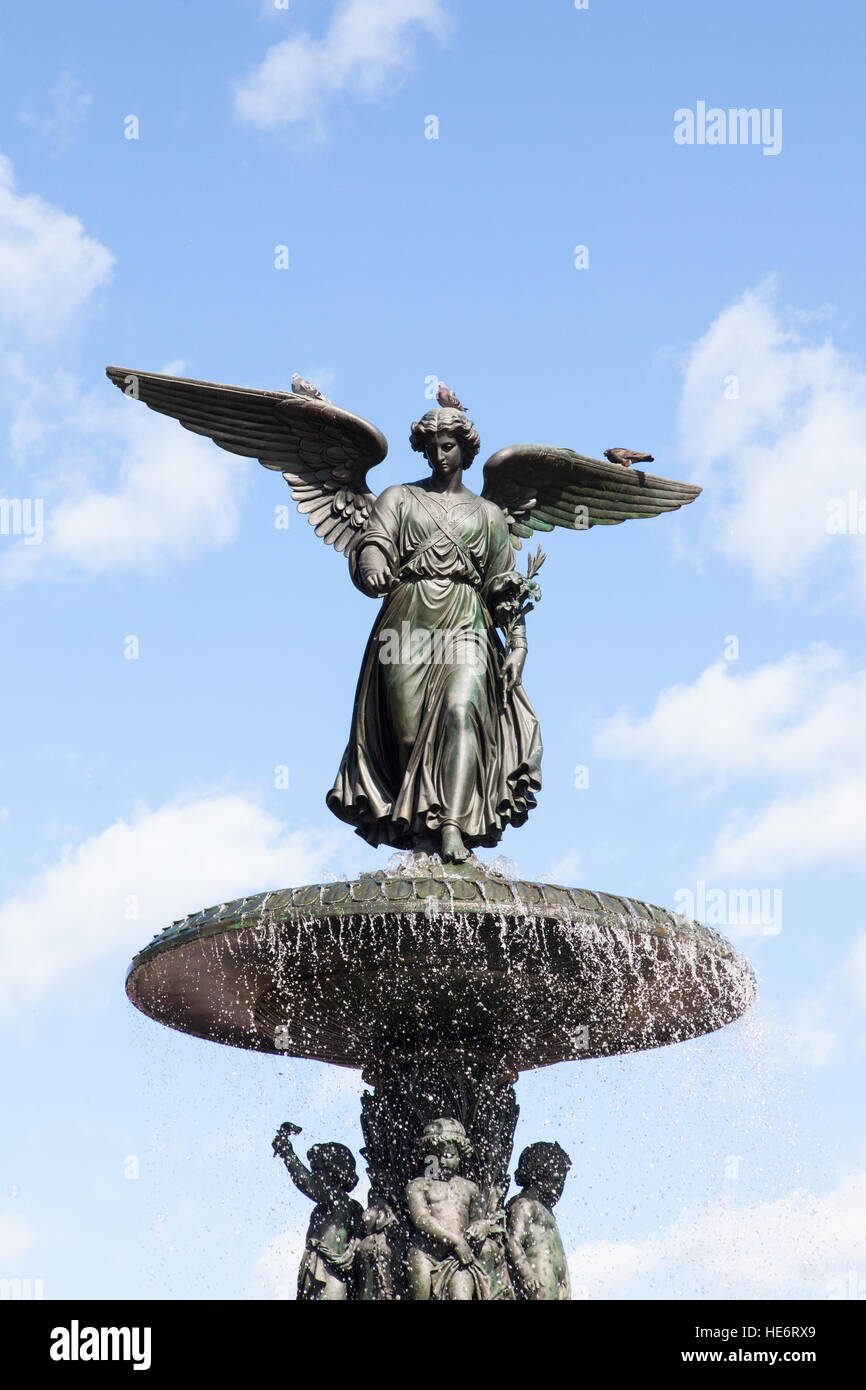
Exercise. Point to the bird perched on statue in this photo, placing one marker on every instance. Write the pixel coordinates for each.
(447, 399)
(300, 387)
(626, 457)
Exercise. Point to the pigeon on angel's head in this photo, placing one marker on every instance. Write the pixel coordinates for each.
(447, 399)
(626, 457)
(301, 387)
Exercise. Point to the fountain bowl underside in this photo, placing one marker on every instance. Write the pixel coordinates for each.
(461, 961)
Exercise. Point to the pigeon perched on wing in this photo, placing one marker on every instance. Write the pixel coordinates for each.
(626, 457)
(447, 399)
(301, 387)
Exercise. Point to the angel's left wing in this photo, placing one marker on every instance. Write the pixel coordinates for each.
(539, 487)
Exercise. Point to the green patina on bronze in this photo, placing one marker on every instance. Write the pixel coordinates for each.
(533, 973)
(440, 979)
(444, 750)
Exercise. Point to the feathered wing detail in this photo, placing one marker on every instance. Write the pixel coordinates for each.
(539, 487)
(323, 452)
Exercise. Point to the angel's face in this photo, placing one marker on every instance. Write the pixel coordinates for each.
(444, 454)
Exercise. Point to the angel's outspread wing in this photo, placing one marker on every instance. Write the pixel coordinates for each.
(323, 452)
(539, 487)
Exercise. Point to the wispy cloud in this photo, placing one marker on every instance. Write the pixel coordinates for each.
(18, 1237)
(792, 729)
(115, 890)
(801, 1246)
(773, 413)
(367, 49)
(119, 489)
(64, 107)
(49, 266)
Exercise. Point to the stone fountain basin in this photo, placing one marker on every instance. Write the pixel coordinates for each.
(458, 961)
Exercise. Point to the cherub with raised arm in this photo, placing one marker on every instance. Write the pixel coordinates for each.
(448, 1221)
(335, 1225)
(535, 1249)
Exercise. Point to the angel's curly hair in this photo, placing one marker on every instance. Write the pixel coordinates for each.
(424, 431)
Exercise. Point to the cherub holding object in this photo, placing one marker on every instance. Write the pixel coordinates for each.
(535, 1249)
(375, 1256)
(335, 1225)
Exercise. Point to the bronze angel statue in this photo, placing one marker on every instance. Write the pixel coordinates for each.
(444, 750)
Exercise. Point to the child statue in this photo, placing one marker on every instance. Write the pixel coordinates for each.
(326, 1268)
(375, 1256)
(448, 1222)
(535, 1249)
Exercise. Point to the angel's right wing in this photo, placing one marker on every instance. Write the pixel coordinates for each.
(324, 453)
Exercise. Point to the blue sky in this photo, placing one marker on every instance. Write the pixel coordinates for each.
(719, 324)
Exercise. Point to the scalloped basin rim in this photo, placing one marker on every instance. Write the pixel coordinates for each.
(466, 895)
(386, 964)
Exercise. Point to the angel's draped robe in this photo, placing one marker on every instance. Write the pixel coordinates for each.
(433, 739)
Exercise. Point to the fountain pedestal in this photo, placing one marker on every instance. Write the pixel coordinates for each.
(441, 983)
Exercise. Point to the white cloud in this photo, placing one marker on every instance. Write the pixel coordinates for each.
(17, 1238)
(170, 493)
(793, 438)
(800, 1246)
(49, 266)
(275, 1273)
(807, 1033)
(161, 864)
(855, 973)
(67, 106)
(568, 869)
(825, 1025)
(119, 488)
(366, 50)
(794, 727)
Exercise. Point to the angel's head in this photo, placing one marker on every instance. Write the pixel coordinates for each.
(446, 438)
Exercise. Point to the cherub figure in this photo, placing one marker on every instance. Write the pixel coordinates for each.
(448, 1221)
(374, 1258)
(335, 1224)
(535, 1249)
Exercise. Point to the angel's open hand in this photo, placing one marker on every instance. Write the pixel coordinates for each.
(512, 669)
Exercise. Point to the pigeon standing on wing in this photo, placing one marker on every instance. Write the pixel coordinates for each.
(626, 457)
(447, 399)
(301, 387)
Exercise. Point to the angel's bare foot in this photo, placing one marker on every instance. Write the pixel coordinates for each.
(453, 849)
